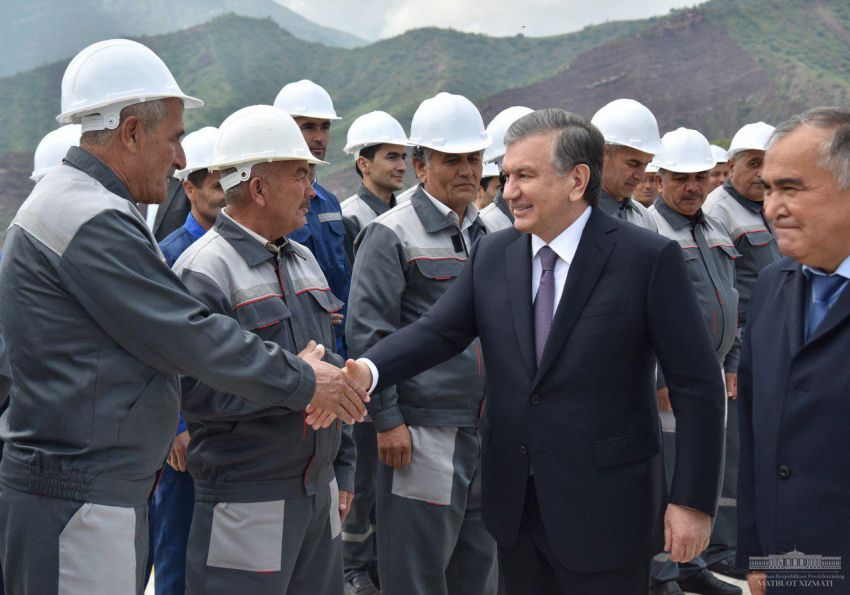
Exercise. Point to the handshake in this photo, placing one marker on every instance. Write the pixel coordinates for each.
(340, 393)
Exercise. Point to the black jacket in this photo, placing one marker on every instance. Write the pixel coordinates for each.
(587, 419)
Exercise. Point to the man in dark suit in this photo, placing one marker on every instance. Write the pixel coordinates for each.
(794, 479)
(571, 306)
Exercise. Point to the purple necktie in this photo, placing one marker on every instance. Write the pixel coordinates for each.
(544, 303)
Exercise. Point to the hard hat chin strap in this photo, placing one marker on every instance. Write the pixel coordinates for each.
(106, 118)
(242, 173)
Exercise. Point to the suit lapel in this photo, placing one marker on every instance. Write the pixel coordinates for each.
(592, 255)
(518, 271)
(794, 291)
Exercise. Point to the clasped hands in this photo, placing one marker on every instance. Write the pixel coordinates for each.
(339, 393)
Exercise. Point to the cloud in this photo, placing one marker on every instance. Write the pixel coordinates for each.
(387, 18)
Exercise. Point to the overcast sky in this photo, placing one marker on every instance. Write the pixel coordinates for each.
(375, 19)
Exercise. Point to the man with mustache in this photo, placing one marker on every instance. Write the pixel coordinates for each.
(684, 163)
(266, 517)
(739, 204)
(98, 329)
(431, 537)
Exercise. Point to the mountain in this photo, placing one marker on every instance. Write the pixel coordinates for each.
(36, 32)
(714, 67)
(235, 61)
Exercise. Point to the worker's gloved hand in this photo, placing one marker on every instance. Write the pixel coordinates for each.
(395, 448)
(177, 455)
(336, 395)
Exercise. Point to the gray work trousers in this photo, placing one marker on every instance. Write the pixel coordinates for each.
(51, 546)
(431, 535)
(359, 551)
(276, 547)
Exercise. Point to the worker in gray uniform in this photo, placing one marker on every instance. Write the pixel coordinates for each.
(379, 145)
(98, 327)
(684, 163)
(431, 535)
(739, 204)
(491, 215)
(495, 152)
(631, 139)
(266, 485)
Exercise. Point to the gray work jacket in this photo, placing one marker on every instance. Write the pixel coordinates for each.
(406, 259)
(752, 235)
(358, 211)
(503, 206)
(627, 210)
(239, 451)
(493, 218)
(97, 328)
(709, 257)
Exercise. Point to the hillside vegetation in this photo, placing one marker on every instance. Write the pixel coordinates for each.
(714, 67)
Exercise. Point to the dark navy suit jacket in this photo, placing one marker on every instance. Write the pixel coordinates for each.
(794, 399)
(586, 419)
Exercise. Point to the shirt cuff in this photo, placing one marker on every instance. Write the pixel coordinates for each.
(373, 370)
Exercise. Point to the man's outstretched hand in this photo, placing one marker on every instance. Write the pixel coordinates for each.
(337, 395)
(360, 372)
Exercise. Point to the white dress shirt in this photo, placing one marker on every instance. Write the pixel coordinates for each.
(565, 245)
(468, 217)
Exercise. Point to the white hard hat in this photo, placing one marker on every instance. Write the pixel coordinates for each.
(629, 123)
(651, 168)
(52, 149)
(497, 128)
(306, 98)
(257, 134)
(684, 151)
(108, 76)
(450, 124)
(198, 147)
(490, 170)
(719, 154)
(374, 128)
(751, 137)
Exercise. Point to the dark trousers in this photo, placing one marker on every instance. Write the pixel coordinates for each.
(170, 517)
(359, 548)
(530, 567)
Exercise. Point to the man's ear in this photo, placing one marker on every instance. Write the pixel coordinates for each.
(579, 177)
(363, 164)
(129, 131)
(256, 191)
(420, 170)
(189, 189)
(659, 181)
